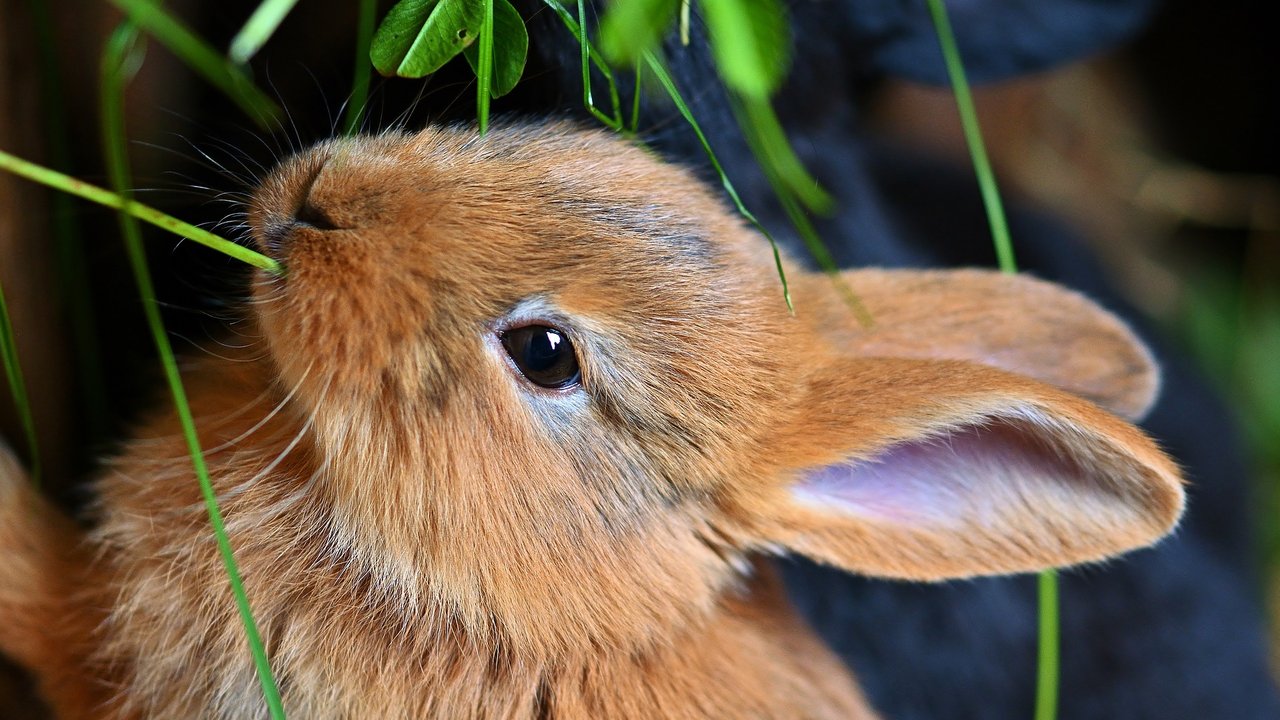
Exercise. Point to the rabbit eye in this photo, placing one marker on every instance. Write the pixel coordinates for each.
(544, 355)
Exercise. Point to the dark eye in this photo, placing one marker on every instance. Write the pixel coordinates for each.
(544, 354)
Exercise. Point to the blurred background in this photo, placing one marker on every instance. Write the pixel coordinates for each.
(1162, 153)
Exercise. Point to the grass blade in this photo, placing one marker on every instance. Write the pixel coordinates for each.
(202, 58)
(589, 51)
(93, 193)
(973, 137)
(634, 126)
(510, 50)
(818, 250)
(18, 388)
(795, 210)
(115, 74)
(261, 26)
(664, 78)
(68, 240)
(1047, 662)
(360, 76)
(775, 154)
(1047, 675)
(484, 73)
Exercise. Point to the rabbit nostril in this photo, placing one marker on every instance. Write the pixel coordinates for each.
(314, 217)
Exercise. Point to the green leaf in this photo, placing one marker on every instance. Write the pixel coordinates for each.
(510, 48)
(417, 37)
(632, 27)
(751, 43)
(397, 32)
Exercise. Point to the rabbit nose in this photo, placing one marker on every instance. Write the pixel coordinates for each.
(277, 228)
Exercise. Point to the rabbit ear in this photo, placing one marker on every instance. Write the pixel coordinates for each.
(1015, 322)
(937, 469)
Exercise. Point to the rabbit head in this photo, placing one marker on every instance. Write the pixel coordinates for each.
(554, 388)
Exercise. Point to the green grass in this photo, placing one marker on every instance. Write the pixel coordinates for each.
(201, 57)
(18, 388)
(1047, 672)
(261, 26)
(484, 73)
(359, 99)
(93, 193)
(120, 61)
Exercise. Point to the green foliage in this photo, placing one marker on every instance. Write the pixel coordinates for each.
(18, 387)
(633, 27)
(417, 37)
(201, 57)
(360, 79)
(69, 240)
(1235, 332)
(92, 193)
(751, 42)
(120, 62)
(510, 48)
(261, 26)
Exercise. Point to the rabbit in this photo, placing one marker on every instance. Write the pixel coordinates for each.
(511, 433)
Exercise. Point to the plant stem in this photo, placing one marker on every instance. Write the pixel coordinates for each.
(1047, 676)
(68, 240)
(93, 193)
(973, 137)
(360, 79)
(484, 73)
(202, 58)
(260, 27)
(668, 84)
(18, 388)
(115, 74)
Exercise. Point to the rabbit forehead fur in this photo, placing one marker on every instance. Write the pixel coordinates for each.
(450, 476)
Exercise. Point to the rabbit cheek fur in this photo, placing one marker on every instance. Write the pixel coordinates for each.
(425, 533)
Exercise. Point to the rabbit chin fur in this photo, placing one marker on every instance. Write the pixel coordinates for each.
(425, 533)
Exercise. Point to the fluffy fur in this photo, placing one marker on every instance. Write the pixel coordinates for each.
(424, 533)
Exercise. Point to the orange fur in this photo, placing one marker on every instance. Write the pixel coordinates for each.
(423, 533)
(46, 625)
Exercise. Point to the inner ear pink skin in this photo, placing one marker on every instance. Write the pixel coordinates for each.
(975, 474)
(1019, 490)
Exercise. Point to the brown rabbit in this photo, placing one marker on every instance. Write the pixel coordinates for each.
(506, 437)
